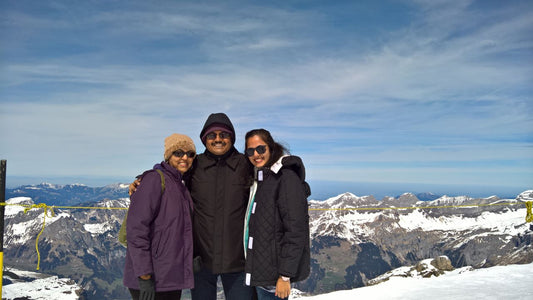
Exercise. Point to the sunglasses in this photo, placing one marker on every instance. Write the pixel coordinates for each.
(260, 150)
(180, 153)
(222, 135)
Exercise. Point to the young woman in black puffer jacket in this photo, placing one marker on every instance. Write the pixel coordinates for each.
(276, 229)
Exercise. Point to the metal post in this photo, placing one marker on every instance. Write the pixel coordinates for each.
(3, 164)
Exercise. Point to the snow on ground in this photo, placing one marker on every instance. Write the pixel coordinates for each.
(500, 282)
(41, 288)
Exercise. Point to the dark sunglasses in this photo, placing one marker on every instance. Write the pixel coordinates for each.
(222, 135)
(180, 153)
(260, 150)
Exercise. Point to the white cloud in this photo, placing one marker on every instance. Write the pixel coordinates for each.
(450, 86)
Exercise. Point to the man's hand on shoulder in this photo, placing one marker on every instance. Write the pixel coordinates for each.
(133, 186)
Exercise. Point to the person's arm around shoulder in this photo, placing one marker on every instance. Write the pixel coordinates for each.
(133, 186)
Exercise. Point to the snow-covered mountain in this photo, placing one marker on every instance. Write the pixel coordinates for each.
(70, 194)
(80, 244)
(354, 239)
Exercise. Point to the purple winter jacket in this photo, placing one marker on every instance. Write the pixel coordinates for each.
(159, 232)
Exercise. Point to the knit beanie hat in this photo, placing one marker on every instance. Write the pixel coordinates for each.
(217, 120)
(215, 127)
(178, 141)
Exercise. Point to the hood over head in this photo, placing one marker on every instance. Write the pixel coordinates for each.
(294, 163)
(217, 121)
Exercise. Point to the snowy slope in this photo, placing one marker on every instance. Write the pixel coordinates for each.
(500, 282)
(23, 232)
(31, 285)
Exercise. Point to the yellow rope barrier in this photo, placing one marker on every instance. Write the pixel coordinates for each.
(529, 215)
(46, 208)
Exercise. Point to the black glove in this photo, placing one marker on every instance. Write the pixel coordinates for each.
(147, 289)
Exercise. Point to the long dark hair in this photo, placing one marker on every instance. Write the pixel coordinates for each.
(277, 150)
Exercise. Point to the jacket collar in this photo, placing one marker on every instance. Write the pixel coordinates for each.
(275, 168)
(278, 165)
(231, 158)
(169, 169)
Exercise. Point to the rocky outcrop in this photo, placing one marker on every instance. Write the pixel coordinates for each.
(423, 269)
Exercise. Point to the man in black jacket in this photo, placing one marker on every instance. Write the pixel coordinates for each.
(219, 182)
(219, 186)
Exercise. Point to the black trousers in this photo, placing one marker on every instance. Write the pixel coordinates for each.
(170, 295)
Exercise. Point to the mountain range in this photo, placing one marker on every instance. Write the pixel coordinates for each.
(354, 239)
(70, 194)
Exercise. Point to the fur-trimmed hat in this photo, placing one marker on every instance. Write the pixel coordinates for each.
(178, 141)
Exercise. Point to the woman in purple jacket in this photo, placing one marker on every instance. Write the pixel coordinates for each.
(159, 228)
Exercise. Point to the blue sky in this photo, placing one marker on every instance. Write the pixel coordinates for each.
(402, 92)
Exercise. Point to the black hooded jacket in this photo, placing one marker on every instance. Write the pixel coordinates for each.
(219, 186)
(278, 228)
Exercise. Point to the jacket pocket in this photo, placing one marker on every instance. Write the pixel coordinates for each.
(158, 243)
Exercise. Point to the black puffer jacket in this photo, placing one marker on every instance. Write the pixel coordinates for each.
(219, 186)
(278, 228)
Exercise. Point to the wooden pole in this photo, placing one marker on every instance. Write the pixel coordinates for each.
(3, 164)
